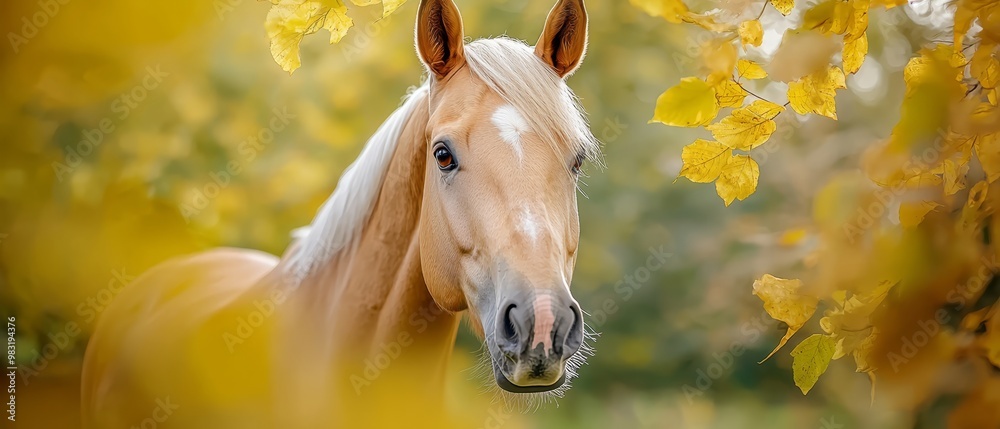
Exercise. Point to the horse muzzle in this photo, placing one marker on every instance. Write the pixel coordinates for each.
(535, 334)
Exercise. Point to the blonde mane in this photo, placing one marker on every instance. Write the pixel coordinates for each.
(511, 69)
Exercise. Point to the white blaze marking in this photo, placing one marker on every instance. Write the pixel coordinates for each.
(528, 225)
(545, 319)
(511, 125)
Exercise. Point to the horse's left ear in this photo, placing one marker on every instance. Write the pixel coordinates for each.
(439, 36)
(564, 39)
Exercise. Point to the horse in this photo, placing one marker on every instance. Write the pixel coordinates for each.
(462, 202)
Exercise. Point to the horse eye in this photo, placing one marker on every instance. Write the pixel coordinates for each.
(578, 163)
(445, 160)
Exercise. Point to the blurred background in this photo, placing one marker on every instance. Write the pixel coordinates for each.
(167, 94)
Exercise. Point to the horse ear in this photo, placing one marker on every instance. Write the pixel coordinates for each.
(564, 39)
(439, 36)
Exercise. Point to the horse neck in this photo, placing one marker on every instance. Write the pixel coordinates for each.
(371, 298)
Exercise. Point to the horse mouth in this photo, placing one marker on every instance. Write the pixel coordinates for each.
(506, 384)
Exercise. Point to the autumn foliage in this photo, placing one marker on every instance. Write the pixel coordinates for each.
(901, 271)
(289, 21)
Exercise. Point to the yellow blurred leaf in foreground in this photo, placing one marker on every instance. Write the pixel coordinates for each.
(670, 10)
(816, 93)
(751, 33)
(988, 151)
(784, 302)
(912, 213)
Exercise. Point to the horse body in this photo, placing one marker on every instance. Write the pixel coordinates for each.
(147, 347)
(354, 325)
(232, 339)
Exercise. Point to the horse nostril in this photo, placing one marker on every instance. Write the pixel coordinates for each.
(509, 330)
(574, 339)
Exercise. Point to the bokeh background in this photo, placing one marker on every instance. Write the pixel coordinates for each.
(178, 86)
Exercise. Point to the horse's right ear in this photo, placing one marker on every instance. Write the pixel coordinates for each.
(439, 36)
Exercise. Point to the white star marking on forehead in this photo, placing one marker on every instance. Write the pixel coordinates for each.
(511, 125)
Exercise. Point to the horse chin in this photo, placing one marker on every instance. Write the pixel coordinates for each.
(507, 385)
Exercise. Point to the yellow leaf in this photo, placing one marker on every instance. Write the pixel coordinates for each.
(964, 15)
(704, 160)
(705, 21)
(854, 53)
(390, 6)
(765, 109)
(988, 151)
(849, 324)
(750, 70)
(816, 93)
(932, 85)
(810, 359)
(960, 146)
(977, 195)
(838, 296)
(747, 127)
(729, 94)
(751, 33)
(933, 63)
(718, 58)
(337, 22)
(289, 21)
(784, 302)
(954, 176)
(858, 23)
(889, 4)
(829, 17)
(971, 321)
(862, 351)
(863, 365)
(783, 6)
(738, 179)
(912, 213)
(971, 219)
(985, 67)
(691, 103)
(670, 10)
